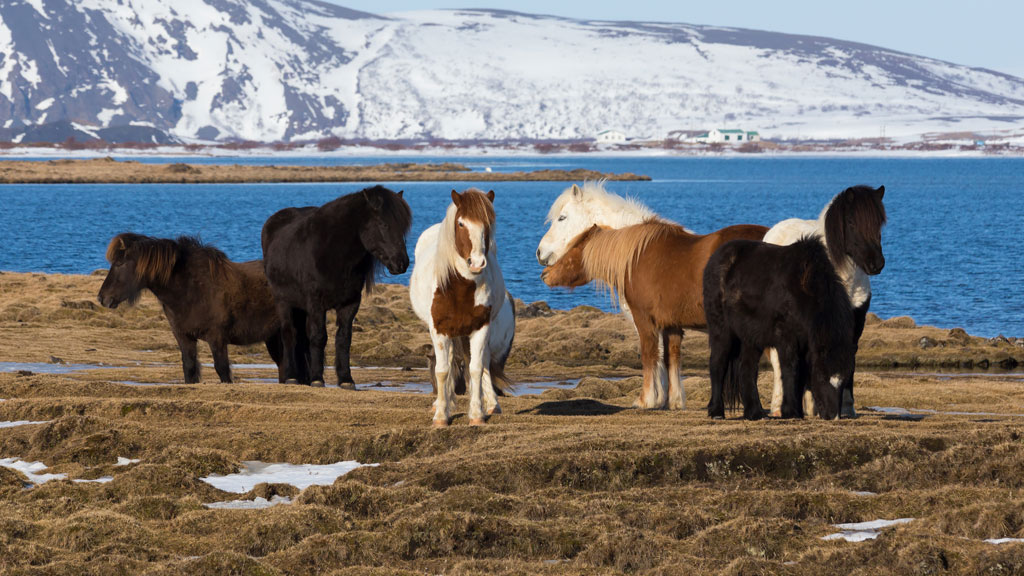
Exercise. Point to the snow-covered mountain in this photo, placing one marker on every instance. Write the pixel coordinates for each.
(273, 70)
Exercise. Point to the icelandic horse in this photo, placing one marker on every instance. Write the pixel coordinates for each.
(855, 217)
(458, 291)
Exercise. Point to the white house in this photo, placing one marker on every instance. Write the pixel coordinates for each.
(728, 136)
(609, 136)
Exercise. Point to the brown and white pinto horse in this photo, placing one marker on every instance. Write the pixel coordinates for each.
(458, 291)
(657, 267)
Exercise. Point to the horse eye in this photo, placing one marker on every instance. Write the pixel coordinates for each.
(461, 225)
(561, 218)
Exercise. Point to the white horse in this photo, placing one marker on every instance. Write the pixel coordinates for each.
(458, 291)
(860, 199)
(574, 212)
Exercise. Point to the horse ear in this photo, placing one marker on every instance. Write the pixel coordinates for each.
(577, 191)
(375, 202)
(490, 196)
(400, 192)
(881, 192)
(456, 198)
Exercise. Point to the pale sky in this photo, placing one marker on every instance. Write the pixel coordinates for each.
(982, 33)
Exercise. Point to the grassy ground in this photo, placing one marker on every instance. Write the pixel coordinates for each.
(108, 170)
(566, 482)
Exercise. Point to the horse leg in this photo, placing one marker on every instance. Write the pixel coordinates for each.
(286, 369)
(221, 362)
(676, 393)
(316, 331)
(749, 358)
(274, 349)
(660, 383)
(189, 358)
(777, 395)
(649, 361)
(788, 384)
(343, 345)
(442, 373)
(859, 318)
(479, 364)
(722, 350)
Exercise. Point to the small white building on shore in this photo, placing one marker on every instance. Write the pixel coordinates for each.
(609, 137)
(730, 136)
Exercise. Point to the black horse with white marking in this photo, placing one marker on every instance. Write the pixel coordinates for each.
(320, 258)
(790, 298)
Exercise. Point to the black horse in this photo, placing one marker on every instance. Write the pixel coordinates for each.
(759, 295)
(320, 258)
(204, 295)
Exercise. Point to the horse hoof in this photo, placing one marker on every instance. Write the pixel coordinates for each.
(493, 411)
(291, 381)
(476, 422)
(347, 385)
(317, 383)
(440, 424)
(718, 417)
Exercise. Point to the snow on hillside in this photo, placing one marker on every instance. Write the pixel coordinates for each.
(299, 69)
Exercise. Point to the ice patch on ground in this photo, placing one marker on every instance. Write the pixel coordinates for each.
(12, 424)
(100, 480)
(122, 461)
(31, 470)
(1004, 540)
(301, 476)
(255, 504)
(861, 531)
(896, 410)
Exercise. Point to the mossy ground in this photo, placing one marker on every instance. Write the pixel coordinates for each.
(566, 482)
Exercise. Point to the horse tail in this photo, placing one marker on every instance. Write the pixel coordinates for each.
(732, 389)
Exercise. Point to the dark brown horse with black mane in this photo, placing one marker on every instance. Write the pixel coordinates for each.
(204, 295)
(323, 257)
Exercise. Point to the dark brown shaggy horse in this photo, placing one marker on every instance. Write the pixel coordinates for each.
(657, 267)
(323, 257)
(204, 295)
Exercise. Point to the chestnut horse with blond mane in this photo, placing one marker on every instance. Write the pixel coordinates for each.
(656, 267)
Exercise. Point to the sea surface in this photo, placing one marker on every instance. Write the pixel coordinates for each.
(954, 244)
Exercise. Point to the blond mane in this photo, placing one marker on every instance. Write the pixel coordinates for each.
(614, 211)
(609, 255)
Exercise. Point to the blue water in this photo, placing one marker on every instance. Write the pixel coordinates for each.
(953, 245)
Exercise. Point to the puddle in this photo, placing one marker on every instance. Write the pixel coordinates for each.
(122, 461)
(10, 424)
(100, 480)
(136, 383)
(46, 368)
(897, 411)
(31, 470)
(527, 388)
(258, 503)
(390, 386)
(301, 476)
(861, 531)
(1004, 540)
(248, 366)
(1006, 375)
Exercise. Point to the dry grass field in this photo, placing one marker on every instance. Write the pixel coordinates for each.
(570, 481)
(108, 170)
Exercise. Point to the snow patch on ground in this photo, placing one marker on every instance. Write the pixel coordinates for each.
(45, 104)
(301, 476)
(861, 531)
(12, 424)
(100, 480)
(1004, 540)
(256, 504)
(122, 461)
(32, 470)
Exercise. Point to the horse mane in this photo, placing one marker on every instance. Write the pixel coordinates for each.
(476, 206)
(155, 258)
(833, 313)
(594, 194)
(863, 206)
(610, 254)
(395, 212)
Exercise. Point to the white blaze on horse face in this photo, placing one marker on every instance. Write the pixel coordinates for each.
(477, 260)
(571, 221)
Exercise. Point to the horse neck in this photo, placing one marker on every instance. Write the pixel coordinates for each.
(342, 239)
(847, 269)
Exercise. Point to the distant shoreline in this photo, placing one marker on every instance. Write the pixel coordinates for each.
(107, 170)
